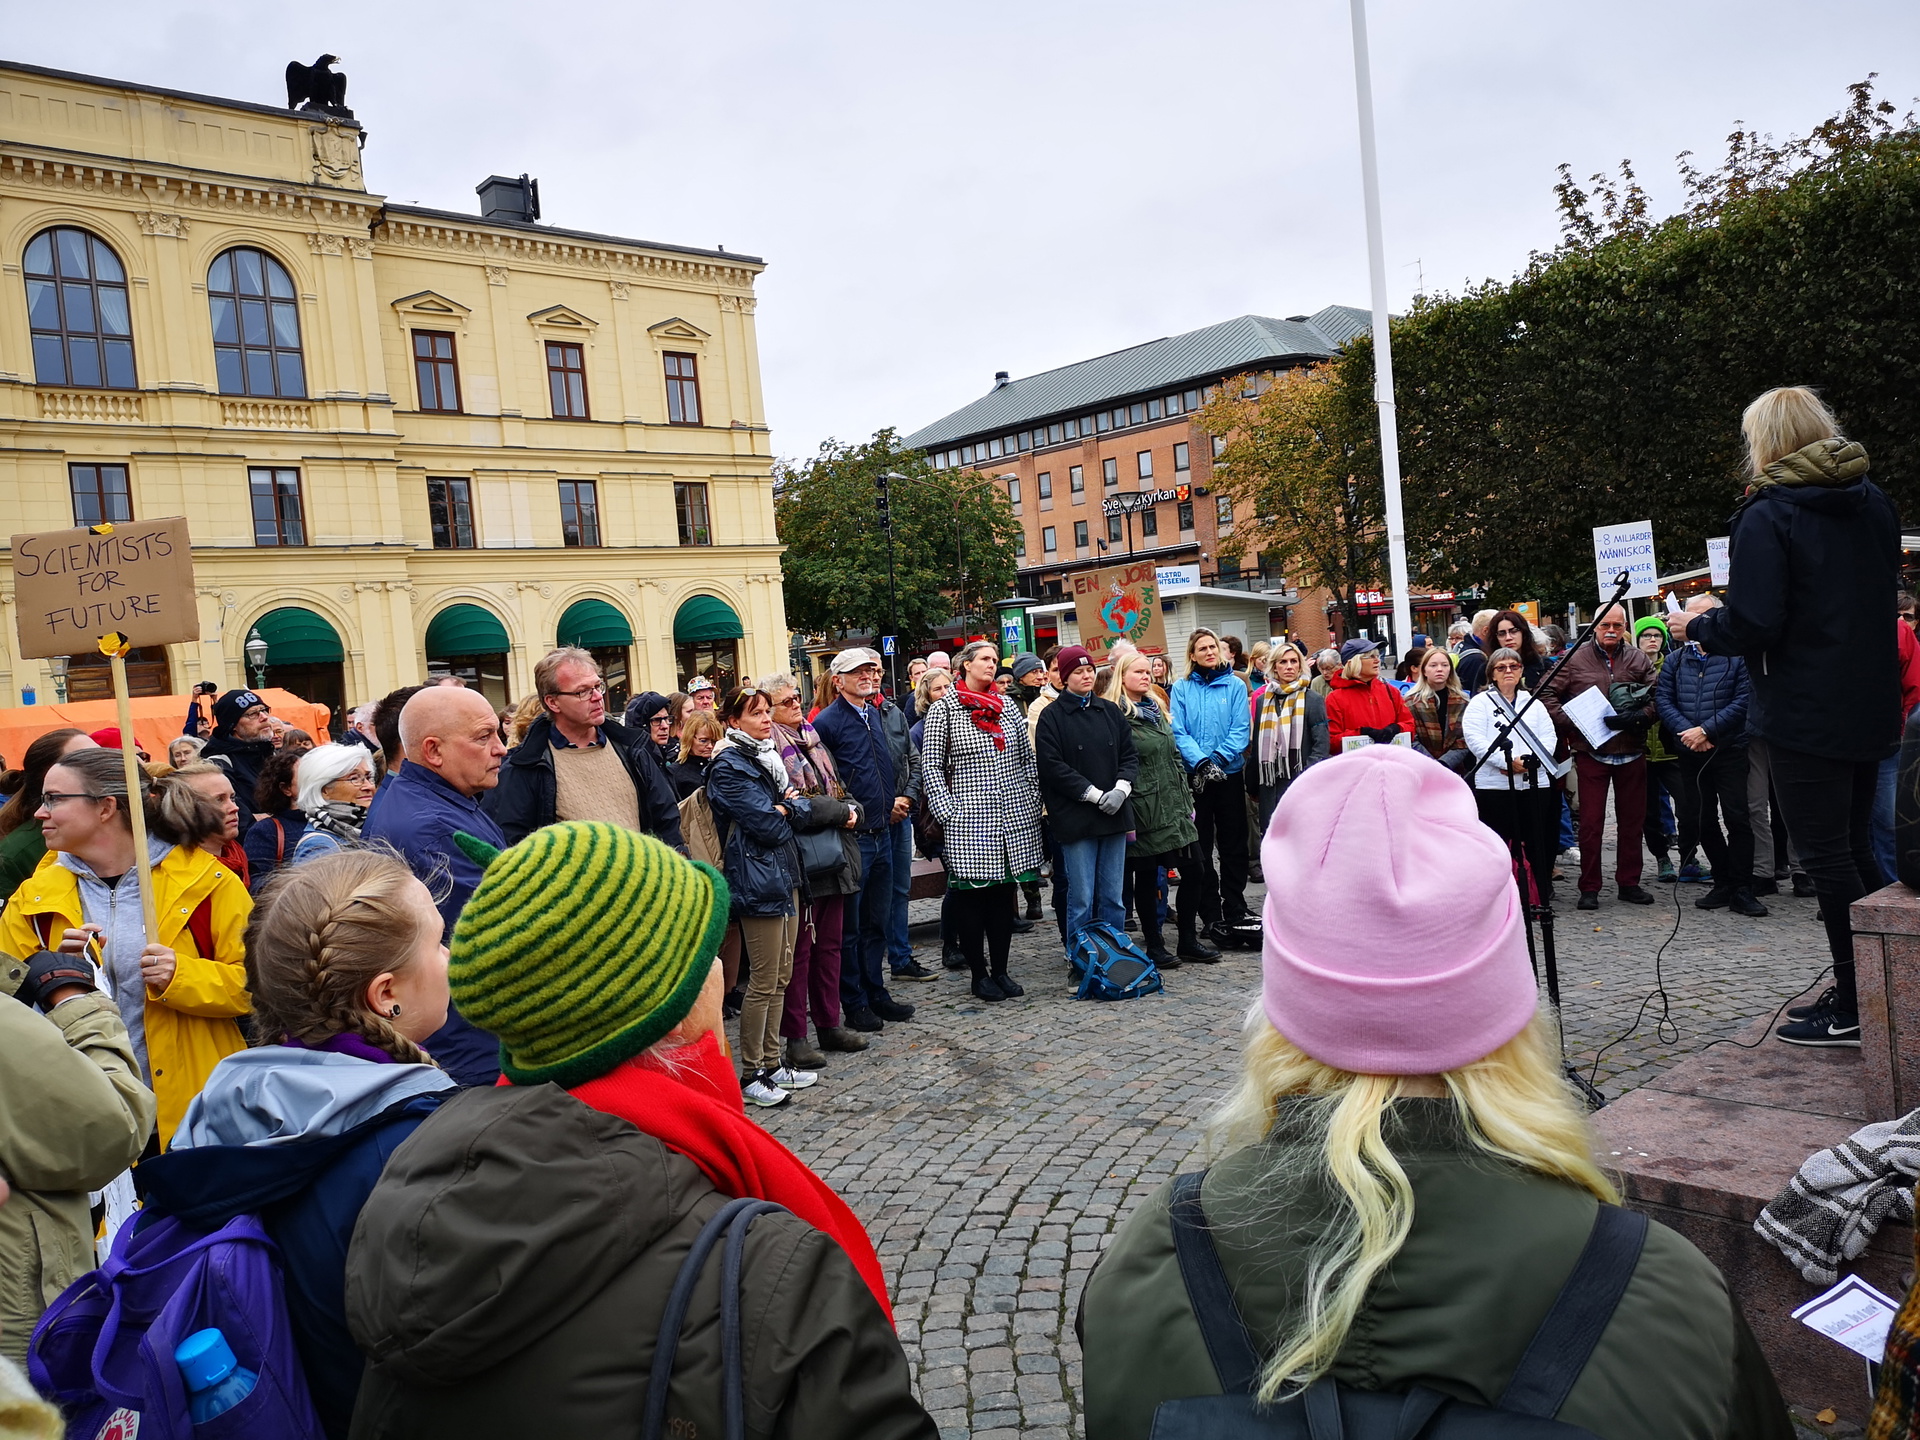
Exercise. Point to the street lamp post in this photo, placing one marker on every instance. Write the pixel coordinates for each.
(256, 652)
(884, 506)
(57, 667)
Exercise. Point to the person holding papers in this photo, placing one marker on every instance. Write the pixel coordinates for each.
(1513, 779)
(1602, 704)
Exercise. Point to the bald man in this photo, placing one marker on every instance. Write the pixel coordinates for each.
(451, 739)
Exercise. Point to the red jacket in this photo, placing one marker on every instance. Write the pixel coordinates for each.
(1354, 705)
(1909, 670)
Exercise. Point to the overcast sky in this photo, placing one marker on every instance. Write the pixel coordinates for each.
(946, 190)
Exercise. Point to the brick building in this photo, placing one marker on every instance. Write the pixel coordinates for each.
(1102, 460)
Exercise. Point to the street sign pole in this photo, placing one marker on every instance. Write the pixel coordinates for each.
(1382, 341)
(893, 593)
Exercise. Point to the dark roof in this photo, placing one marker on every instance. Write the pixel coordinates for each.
(1157, 365)
(527, 228)
(143, 89)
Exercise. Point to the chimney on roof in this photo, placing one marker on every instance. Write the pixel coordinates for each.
(1297, 319)
(1000, 379)
(505, 198)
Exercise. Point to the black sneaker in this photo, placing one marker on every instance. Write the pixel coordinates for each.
(865, 1020)
(914, 970)
(1822, 1001)
(1020, 926)
(1766, 887)
(1194, 947)
(888, 1009)
(1803, 887)
(1718, 898)
(987, 988)
(953, 958)
(1634, 895)
(1589, 900)
(1825, 1029)
(1744, 904)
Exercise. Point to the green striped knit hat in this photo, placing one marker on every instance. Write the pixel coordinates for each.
(581, 946)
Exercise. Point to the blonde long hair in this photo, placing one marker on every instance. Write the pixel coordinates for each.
(1513, 1104)
(1782, 421)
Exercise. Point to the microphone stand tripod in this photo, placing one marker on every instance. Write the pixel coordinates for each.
(1541, 912)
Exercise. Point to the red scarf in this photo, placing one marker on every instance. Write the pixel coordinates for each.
(696, 1109)
(985, 711)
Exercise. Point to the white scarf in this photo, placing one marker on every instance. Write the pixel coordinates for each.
(765, 755)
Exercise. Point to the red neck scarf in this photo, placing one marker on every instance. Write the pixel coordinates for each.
(985, 712)
(696, 1109)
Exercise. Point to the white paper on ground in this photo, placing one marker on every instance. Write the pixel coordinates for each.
(1853, 1313)
(1589, 710)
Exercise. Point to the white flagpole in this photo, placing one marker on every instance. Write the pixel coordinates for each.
(1382, 347)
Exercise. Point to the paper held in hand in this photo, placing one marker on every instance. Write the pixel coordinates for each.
(1589, 711)
(1853, 1313)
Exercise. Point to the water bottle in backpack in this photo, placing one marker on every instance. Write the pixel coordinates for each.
(215, 1381)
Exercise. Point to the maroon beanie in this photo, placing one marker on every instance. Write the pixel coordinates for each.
(1070, 659)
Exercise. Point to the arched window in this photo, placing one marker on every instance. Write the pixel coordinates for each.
(77, 309)
(256, 326)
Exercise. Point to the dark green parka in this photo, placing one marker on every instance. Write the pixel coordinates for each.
(1491, 1244)
(1162, 803)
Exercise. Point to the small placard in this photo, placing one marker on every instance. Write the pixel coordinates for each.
(1626, 547)
(1719, 563)
(73, 586)
(1853, 1313)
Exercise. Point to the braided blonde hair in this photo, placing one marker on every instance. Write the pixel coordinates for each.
(321, 932)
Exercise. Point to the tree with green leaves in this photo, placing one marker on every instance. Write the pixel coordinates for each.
(953, 541)
(1605, 383)
(1305, 459)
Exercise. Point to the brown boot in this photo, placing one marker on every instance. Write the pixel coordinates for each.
(802, 1056)
(839, 1037)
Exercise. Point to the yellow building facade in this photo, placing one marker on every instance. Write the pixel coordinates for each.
(406, 441)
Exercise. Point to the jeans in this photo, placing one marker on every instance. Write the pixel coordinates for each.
(1828, 805)
(1884, 786)
(863, 952)
(1713, 780)
(899, 944)
(1629, 782)
(1663, 790)
(1220, 814)
(1096, 869)
(1566, 839)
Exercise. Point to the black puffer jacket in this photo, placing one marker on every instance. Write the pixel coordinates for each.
(1816, 569)
(509, 1273)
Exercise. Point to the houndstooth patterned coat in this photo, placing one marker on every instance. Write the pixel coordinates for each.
(988, 799)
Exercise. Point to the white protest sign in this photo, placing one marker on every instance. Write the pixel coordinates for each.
(1718, 562)
(1853, 1313)
(1626, 547)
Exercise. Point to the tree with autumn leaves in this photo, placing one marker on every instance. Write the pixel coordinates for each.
(954, 535)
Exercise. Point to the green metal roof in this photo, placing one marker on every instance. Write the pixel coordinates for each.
(593, 625)
(1167, 364)
(705, 617)
(298, 637)
(465, 630)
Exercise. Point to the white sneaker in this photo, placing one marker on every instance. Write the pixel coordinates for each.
(759, 1091)
(788, 1078)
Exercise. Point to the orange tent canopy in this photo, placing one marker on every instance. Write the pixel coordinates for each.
(157, 720)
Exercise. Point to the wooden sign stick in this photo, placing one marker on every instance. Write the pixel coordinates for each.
(115, 647)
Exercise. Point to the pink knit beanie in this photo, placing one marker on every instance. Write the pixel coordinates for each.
(1394, 937)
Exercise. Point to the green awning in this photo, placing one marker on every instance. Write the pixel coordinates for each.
(594, 625)
(298, 637)
(465, 630)
(705, 617)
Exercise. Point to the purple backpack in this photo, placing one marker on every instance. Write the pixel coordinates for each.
(104, 1351)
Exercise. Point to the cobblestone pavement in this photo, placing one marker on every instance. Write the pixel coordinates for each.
(991, 1149)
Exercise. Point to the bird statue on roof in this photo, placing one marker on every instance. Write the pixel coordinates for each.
(316, 87)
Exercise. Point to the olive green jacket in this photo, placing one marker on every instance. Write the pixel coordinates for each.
(1162, 801)
(20, 853)
(73, 1115)
(1489, 1248)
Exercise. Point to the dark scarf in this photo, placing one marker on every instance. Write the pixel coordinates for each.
(985, 711)
(1210, 674)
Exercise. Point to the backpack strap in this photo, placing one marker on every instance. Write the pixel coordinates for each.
(1565, 1341)
(1235, 1361)
(733, 1220)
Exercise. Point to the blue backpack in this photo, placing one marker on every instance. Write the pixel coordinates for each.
(1109, 966)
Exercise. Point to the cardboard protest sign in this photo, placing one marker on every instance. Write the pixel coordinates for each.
(1626, 547)
(1121, 602)
(73, 586)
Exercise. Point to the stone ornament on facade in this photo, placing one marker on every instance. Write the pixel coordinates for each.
(737, 304)
(162, 223)
(496, 274)
(360, 247)
(336, 154)
(619, 288)
(322, 243)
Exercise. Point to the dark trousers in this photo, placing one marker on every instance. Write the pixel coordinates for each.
(1828, 807)
(1527, 819)
(869, 923)
(1144, 872)
(1220, 813)
(816, 967)
(1709, 780)
(1629, 783)
(985, 918)
(1663, 782)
